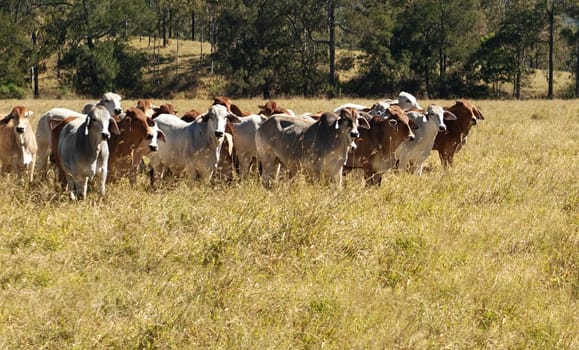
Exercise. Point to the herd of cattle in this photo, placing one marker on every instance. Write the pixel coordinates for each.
(104, 140)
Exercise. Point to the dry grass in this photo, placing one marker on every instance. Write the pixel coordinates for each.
(483, 255)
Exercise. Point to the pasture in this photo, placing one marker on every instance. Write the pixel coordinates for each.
(482, 255)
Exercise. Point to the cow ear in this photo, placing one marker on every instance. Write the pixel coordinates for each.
(28, 114)
(233, 118)
(477, 113)
(449, 115)
(412, 124)
(88, 122)
(161, 135)
(113, 126)
(6, 119)
(363, 123)
(393, 122)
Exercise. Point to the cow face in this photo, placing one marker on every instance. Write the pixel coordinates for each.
(348, 121)
(18, 119)
(400, 123)
(100, 123)
(217, 116)
(437, 115)
(112, 102)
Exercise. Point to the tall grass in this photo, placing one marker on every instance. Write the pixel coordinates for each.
(482, 255)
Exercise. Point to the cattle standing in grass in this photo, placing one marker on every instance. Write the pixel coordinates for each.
(110, 100)
(412, 154)
(320, 148)
(376, 146)
(191, 147)
(138, 135)
(244, 141)
(450, 142)
(83, 150)
(17, 142)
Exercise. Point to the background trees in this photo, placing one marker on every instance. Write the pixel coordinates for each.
(442, 48)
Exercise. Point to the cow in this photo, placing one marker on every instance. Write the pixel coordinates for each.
(56, 126)
(166, 108)
(147, 106)
(376, 145)
(17, 143)
(44, 135)
(411, 155)
(320, 147)
(138, 135)
(191, 147)
(405, 101)
(226, 101)
(270, 108)
(451, 141)
(83, 150)
(244, 142)
(111, 101)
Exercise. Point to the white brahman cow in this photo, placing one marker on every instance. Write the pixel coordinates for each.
(191, 147)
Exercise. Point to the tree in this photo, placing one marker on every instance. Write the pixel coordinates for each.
(14, 58)
(571, 35)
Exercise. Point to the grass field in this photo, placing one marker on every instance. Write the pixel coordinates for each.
(482, 255)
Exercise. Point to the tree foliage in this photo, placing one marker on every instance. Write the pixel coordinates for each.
(441, 48)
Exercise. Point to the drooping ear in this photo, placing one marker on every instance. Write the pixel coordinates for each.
(363, 122)
(233, 118)
(412, 124)
(477, 113)
(229, 138)
(161, 135)
(366, 115)
(6, 119)
(449, 115)
(29, 114)
(114, 127)
(87, 124)
(393, 122)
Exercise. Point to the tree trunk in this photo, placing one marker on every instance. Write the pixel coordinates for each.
(332, 44)
(551, 14)
(35, 68)
(192, 25)
(577, 65)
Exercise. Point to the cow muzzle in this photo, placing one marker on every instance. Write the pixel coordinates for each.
(105, 135)
(411, 137)
(354, 134)
(474, 121)
(442, 128)
(118, 111)
(20, 129)
(219, 134)
(153, 148)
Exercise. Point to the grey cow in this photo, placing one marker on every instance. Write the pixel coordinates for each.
(83, 150)
(319, 147)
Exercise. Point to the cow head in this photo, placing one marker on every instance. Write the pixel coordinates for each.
(147, 107)
(407, 101)
(217, 116)
(99, 122)
(438, 115)
(142, 127)
(346, 122)
(466, 114)
(112, 102)
(400, 123)
(166, 108)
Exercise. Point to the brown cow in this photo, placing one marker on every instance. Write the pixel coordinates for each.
(166, 108)
(375, 147)
(146, 106)
(226, 101)
(18, 145)
(270, 108)
(138, 136)
(450, 142)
